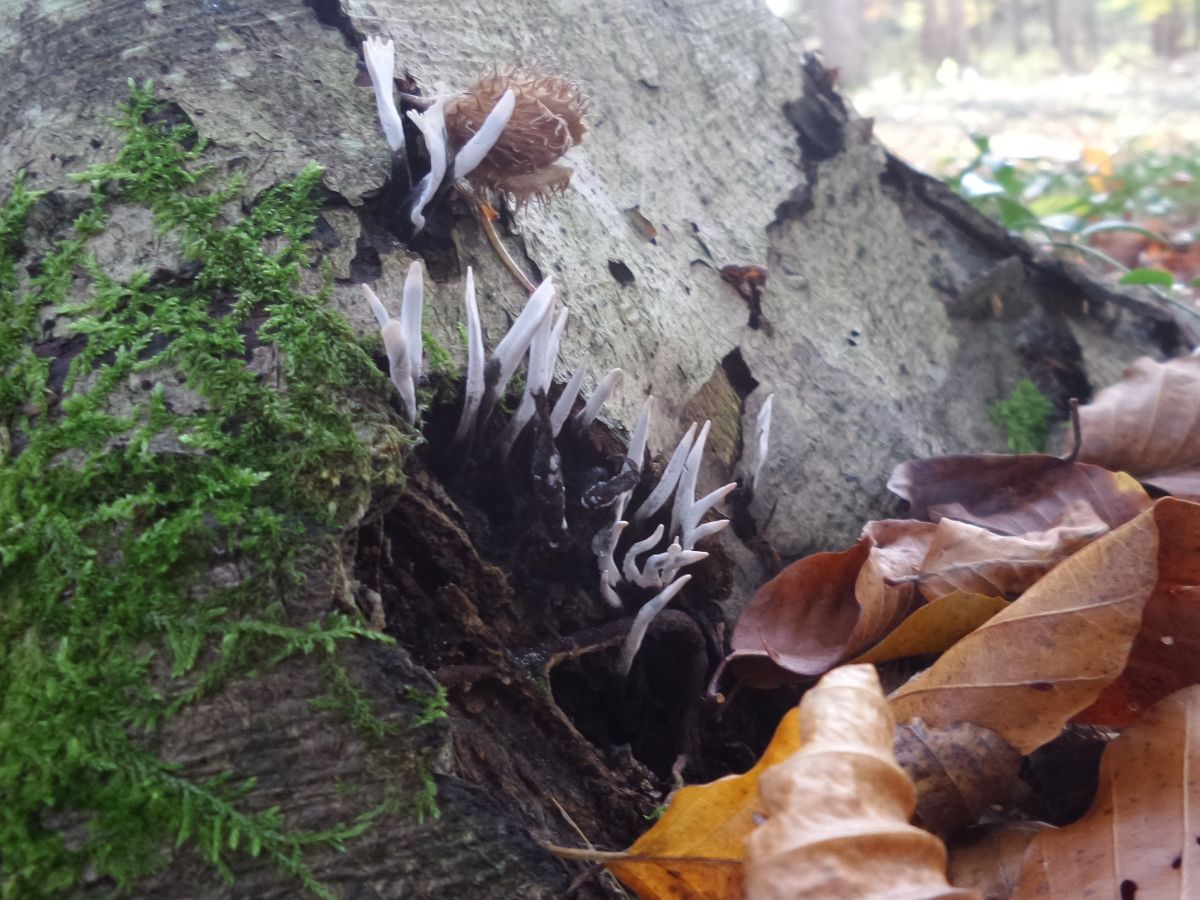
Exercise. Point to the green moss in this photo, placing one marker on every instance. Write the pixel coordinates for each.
(114, 507)
(1025, 418)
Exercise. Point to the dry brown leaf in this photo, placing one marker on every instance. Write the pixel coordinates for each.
(988, 858)
(885, 589)
(934, 627)
(800, 621)
(965, 557)
(1142, 835)
(1027, 670)
(1148, 424)
(1016, 494)
(838, 808)
(828, 606)
(1166, 651)
(696, 849)
(959, 771)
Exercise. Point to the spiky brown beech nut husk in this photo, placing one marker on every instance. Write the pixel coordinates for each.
(548, 120)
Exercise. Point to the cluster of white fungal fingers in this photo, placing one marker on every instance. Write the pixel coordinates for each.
(380, 58)
(659, 570)
(537, 332)
(402, 338)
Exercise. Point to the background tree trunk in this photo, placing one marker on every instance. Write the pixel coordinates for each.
(894, 315)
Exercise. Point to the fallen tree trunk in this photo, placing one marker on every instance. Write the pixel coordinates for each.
(893, 315)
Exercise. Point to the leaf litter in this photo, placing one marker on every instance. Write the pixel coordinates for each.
(1038, 595)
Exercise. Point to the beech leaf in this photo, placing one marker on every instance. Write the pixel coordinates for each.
(696, 849)
(935, 626)
(1142, 835)
(1148, 424)
(965, 557)
(1027, 670)
(838, 809)
(959, 771)
(1016, 495)
(1166, 651)
(800, 621)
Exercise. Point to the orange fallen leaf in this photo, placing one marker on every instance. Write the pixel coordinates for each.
(1027, 670)
(1166, 651)
(1016, 494)
(838, 809)
(1148, 424)
(934, 627)
(696, 849)
(1142, 835)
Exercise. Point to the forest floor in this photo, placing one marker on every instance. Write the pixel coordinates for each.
(1124, 105)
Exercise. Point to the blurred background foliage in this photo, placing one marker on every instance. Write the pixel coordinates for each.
(1073, 122)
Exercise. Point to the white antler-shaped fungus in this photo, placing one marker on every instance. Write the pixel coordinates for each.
(507, 355)
(603, 391)
(695, 512)
(629, 567)
(402, 338)
(543, 353)
(566, 400)
(474, 150)
(762, 439)
(604, 545)
(473, 392)
(685, 493)
(670, 477)
(432, 123)
(381, 66)
(641, 622)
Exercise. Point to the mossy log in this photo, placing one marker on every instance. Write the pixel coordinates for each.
(438, 762)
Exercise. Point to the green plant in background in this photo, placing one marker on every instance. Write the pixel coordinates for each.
(1025, 418)
(1064, 205)
(114, 507)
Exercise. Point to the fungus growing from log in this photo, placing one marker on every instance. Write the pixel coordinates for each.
(536, 334)
(381, 66)
(402, 338)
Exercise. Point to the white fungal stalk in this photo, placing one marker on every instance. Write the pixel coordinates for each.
(603, 391)
(474, 150)
(762, 439)
(381, 65)
(432, 123)
(402, 338)
(604, 545)
(685, 494)
(473, 392)
(641, 622)
(543, 353)
(670, 477)
(508, 353)
(566, 400)
(629, 567)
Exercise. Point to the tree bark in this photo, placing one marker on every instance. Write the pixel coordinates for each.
(893, 316)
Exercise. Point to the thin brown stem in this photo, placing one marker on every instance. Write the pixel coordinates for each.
(486, 216)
